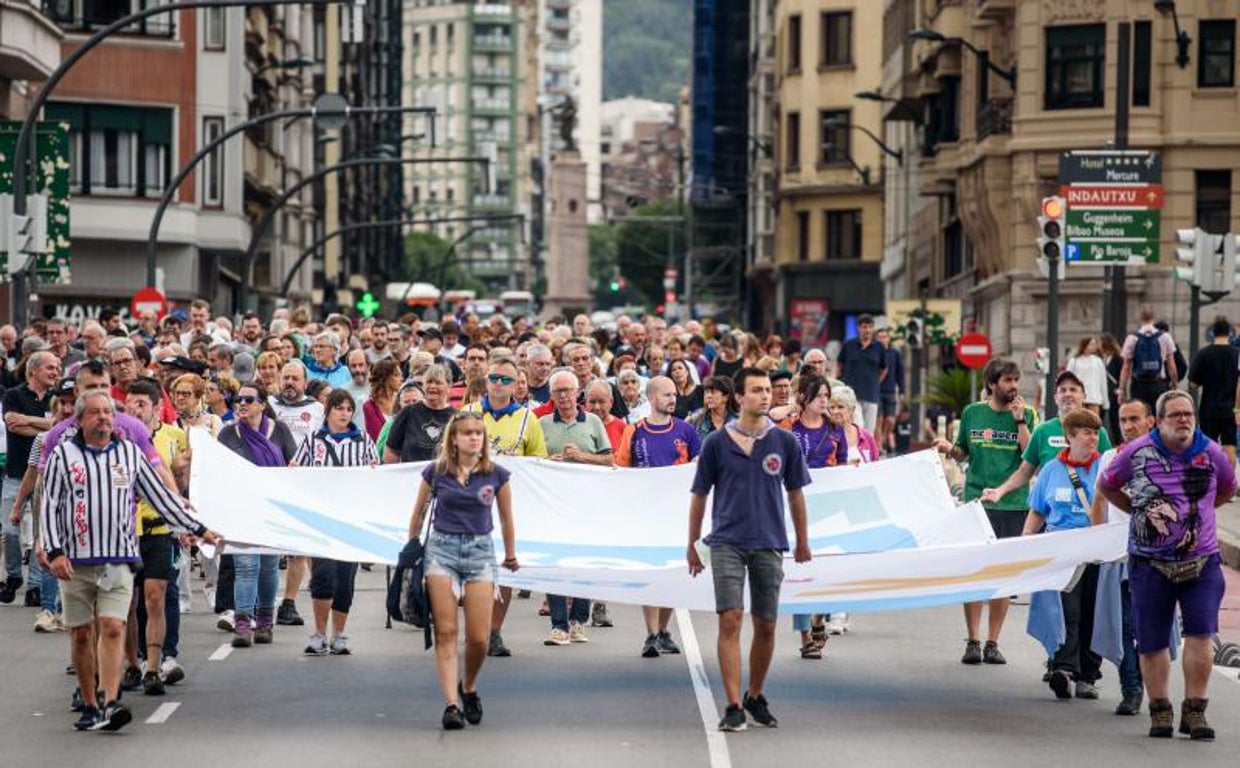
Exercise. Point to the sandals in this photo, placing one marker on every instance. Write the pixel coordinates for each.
(811, 650)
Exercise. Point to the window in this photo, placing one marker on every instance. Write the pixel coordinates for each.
(843, 235)
(794, 44)
(1216, 60)
(89, 15)
(834, 135)
(117, 150)
(451, 30)
(792, 152)
(1141, 63)
(434, 36)
(835, 39)
(214, 32)
(213, 168)
(1213, 201)
(1075, 57)
(803, 236)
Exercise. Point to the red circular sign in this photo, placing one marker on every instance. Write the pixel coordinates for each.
(148, 300)
(973, 350)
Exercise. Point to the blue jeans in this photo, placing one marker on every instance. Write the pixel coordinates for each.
(12, 533)
(49, 588)
(172, 622)
(1129, 668)
(801, 622)
(256, 583)
(560, 615)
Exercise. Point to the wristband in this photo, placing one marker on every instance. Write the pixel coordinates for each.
(1021, 422)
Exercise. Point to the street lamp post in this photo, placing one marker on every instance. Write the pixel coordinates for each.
(260, 226)
(319, 111)
(24, 149)
(362, 225)
(898, 154)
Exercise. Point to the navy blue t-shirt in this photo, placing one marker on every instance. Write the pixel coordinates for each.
(748, 508)
(465, 509)
(860, 368)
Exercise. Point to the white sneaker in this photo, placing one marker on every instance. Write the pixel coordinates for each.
(226, 622)
(838, 624)
(187, 606)
(557, 637)
(171, 672)
(577, 633)
(46, 621)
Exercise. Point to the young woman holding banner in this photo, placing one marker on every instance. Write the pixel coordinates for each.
(460, 556)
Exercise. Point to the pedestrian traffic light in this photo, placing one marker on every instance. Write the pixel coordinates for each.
(615, 284)
(1198, 255)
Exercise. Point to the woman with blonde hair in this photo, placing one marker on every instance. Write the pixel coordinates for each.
(460, 556)
(187, 391)
(267, 368)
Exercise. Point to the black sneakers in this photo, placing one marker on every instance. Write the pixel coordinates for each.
(113, 717)
(496, 645)
(88, 718)
(665, 643)
(472, 704)
(8, 592)
(152, 684)
(453, 720)
(991, 654)
(287, 615)
(733, 719)
(972, 653)
(758, 711)
(34, 597)
(650, 648)
(1130, 704)
(1061, 684)
(132, 679)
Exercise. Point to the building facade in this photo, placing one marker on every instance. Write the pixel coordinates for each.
(642, 150)
(989, 150)
(465, 60)
(830, 169)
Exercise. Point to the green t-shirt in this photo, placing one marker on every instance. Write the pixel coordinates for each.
(992, 440)
(1047, 441)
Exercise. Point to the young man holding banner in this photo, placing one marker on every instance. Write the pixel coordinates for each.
(747, 464)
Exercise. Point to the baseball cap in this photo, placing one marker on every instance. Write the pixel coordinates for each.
(625, 350)
(1067, 375)
(182, 363)
(431, 333)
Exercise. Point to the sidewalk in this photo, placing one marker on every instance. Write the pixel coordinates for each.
(1228, 520)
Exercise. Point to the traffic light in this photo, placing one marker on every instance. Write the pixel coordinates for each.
(615, 284)
(1052, 244)
(915, 332)
(1199, 257)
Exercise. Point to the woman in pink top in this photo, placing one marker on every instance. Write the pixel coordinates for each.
(385, 381)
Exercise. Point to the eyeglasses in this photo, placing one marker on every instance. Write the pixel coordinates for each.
(499, 378)
(1179, 415)
(245, 400)
(564, 391)
(123, 361)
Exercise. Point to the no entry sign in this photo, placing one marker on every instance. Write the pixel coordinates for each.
(148, 300)
(973, 350)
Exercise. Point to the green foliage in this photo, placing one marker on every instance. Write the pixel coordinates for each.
(935, 328)
(642, 248)
(646, 47)
(424, 262)
(951, 388)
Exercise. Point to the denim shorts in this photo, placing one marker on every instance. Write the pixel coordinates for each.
(464, 557)
(765, 569)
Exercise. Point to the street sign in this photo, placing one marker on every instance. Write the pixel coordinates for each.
(148, 300)
(1110, 167)
(1091, 225)
(973, 350)
(1115, 202)
(1120, 196)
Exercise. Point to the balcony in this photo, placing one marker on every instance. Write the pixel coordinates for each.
(994, 118)
(492, 75)
(492, 106)
(492, 201)
(493, 43)
(29, 44)
(494, 11)
(995, 10)
(85, 16)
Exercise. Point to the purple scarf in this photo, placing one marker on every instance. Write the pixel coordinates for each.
(263, 452)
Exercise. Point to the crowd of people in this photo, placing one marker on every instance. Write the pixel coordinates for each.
(99, 530)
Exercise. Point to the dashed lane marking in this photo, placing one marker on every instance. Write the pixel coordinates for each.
(162, 713)
(221, 653)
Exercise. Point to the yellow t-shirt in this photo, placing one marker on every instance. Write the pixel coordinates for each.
(514, 434)
(168, 441)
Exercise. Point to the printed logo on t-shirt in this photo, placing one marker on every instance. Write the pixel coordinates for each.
(320, 453)
(1057, 441)
(772, 464)
(1063, 495)
(486, 494)
(433, 431)
(305, 416)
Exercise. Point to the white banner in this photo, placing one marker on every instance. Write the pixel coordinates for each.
(885, 535)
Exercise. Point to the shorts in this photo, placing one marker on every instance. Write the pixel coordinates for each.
(465, 557)
(1007, 523)
(106, 589)
(1221, 431)
(889, 405)
(1154, 599)
(159, 554)
(333, 580)
(728, 566)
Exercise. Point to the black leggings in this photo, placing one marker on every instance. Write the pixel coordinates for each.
(333, 580)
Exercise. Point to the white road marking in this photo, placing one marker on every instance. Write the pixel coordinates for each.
(221, 653)
(162, 713)
(1228, 673)
(716, 744)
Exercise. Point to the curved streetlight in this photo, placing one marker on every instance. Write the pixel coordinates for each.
(24, 148)
(900, 105)
(330, 109)
(983, 55)
(325, 239)
(260, 227)
(838, 122)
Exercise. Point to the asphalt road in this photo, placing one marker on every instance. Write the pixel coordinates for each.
(891, 692)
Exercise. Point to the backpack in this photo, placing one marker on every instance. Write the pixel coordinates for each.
(1147, 357)
(407, 601)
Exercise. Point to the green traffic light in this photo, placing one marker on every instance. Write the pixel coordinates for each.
(615, 285)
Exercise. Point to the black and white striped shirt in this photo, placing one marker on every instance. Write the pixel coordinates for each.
(87, 510)
(320, 450)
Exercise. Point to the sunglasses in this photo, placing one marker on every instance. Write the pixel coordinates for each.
(499, 378)
(245, 400)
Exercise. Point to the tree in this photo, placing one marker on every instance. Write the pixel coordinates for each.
(425, 254)
(645, 248)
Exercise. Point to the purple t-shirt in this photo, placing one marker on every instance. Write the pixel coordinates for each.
(645, 445)
(1172, 496)
(825, 446)
(124, 425)
(465, 509)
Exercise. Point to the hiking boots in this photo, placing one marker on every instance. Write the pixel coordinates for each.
(1193, 720)
(1162, 719)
